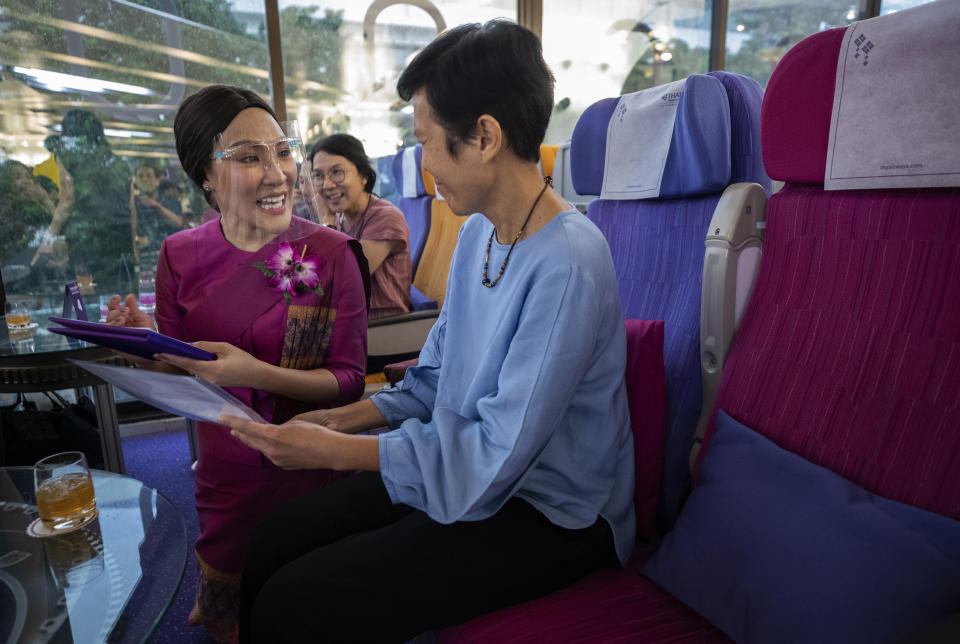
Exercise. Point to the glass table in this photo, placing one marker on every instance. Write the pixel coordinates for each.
(38, 361)
(110, 581)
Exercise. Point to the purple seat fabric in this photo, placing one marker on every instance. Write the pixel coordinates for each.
(745, 96)
(847, 357)
(386, 186)
(844, 353)
(658, 248)
(415, 203)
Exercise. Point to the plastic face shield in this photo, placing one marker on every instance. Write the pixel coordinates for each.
(282, 152)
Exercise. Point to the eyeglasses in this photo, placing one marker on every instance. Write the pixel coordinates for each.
(336, 175)
(252, 153)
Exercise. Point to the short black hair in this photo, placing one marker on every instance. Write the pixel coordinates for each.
(201, 118)
(496, 68)
(351, 148)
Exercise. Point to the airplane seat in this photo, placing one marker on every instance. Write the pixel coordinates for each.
(835, 425)
(431, 273)
(658, 248)
(401, 337)
(414, 200)
(563, 179)
(826, 504)
(386, 185)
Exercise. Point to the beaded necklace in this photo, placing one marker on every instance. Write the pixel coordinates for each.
(547, 182)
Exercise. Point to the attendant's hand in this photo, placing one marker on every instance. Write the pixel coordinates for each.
(295, 445)
(127, 313)
(326, 417)
(233, 367)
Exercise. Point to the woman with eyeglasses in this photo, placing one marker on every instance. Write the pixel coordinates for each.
(280, 300)
(343, 179)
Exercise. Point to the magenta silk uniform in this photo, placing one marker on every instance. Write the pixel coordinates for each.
(209, 290)
(390, 283)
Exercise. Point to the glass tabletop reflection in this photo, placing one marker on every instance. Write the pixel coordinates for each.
(37, 339)
(111, 581)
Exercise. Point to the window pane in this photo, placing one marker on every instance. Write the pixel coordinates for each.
(603, 48)
(891, 6)
(760, 32)
(120, 69)
(341, 72)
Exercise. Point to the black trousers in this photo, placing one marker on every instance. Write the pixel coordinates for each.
(344, 564)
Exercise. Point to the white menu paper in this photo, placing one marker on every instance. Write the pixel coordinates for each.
(895, 120)
(187, 396)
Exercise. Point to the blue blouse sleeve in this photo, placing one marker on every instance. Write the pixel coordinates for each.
(458, 468)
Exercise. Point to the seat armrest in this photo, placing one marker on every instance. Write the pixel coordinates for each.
(401, 334)
(730, 264)
(395, 371)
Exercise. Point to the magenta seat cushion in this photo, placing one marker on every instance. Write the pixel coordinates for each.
(611, 605)
(646, 393)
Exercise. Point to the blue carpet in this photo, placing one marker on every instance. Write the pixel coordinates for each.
(162, 461)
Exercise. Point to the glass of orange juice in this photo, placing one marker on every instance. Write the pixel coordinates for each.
(64, 491)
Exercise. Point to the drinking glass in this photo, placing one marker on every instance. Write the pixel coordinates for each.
(17, 315)
(148, 297)
(64, 490)
(19, 328)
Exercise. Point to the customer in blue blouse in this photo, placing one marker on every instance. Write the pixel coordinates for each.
(508, 472)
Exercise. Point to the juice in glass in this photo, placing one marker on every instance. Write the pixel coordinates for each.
(64, 490)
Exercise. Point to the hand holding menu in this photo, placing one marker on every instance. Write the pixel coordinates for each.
(136, 341)
(180, 395)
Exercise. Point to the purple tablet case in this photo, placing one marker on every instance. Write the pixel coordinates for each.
(137, 341)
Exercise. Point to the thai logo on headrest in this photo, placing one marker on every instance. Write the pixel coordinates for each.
(621, 111)
(671, 98)
(864, 47)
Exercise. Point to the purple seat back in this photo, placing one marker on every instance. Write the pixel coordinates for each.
(847, 353)
(745, 96)
(658, 244)
(414, 199)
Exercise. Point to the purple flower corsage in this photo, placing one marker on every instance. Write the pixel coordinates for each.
(290, 274)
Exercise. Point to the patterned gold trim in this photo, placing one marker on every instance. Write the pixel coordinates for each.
(307, 337)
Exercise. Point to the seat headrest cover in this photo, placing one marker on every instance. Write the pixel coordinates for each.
(406, 170)
(698, 159)
(894, 121)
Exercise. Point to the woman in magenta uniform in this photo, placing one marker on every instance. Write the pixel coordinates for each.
(343, 178)
(280, 300)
